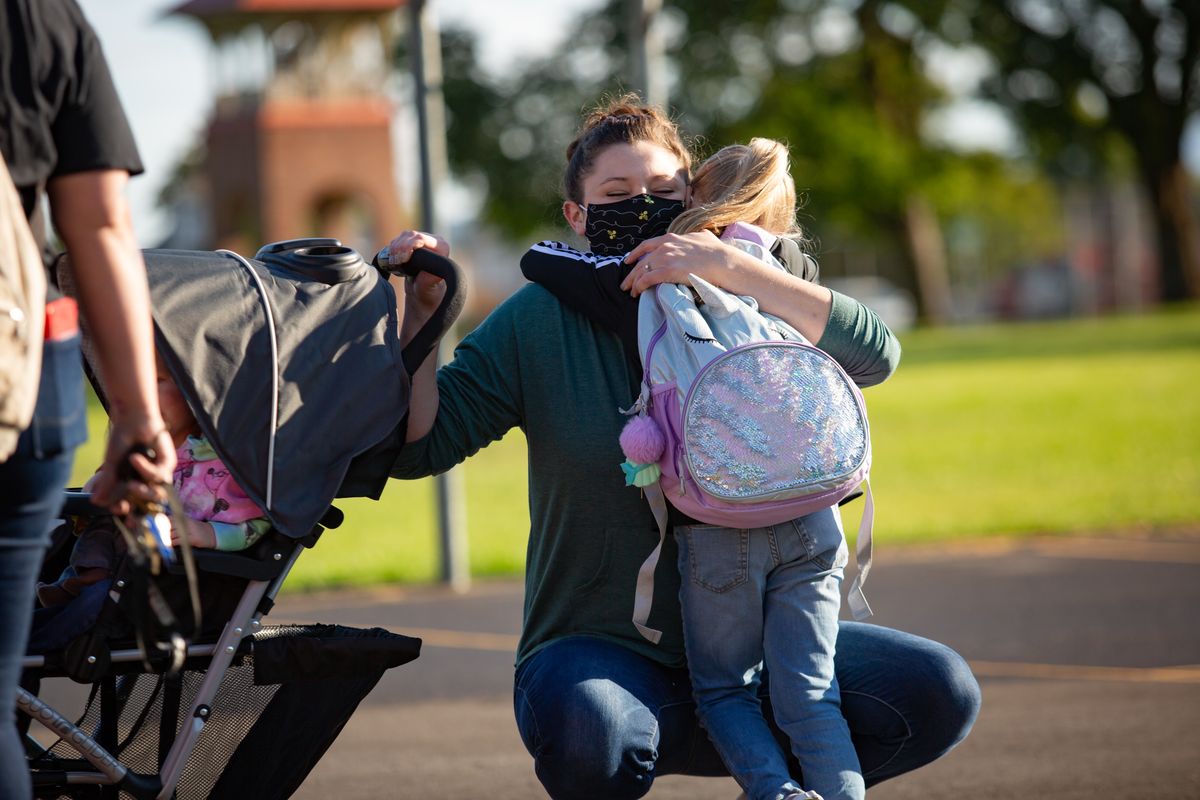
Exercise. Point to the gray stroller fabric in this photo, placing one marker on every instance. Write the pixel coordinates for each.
(296, 372)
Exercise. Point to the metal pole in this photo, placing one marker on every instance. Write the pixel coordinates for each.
(425, 45)
(646, 51)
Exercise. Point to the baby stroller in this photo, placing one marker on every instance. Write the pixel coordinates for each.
(292, 366)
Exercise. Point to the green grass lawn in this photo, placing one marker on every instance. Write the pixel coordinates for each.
(1042, 428)
(1018, 429)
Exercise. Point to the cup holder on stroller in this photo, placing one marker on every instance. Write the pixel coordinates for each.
(325, 260)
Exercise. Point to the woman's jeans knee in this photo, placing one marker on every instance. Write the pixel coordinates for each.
(590, 735)
(908, 700)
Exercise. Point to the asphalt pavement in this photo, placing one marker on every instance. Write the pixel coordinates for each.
(1087, 651)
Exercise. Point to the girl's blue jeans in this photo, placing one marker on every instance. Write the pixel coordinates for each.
(31, 492)
(769, 596)
(603, 722)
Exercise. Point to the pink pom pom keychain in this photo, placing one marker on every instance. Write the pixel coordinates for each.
(643, 444)
(642, 441)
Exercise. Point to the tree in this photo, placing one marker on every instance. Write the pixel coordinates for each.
(508, 135)
(845, 85)
(1078, 74)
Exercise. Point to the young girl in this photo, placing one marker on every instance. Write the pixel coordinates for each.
(219, 514)
(751, 597)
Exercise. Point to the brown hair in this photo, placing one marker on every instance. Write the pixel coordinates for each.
(622, 120)
(743, 182)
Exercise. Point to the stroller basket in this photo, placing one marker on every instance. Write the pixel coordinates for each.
(280, 705)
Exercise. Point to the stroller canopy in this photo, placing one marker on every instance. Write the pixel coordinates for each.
(290, 361)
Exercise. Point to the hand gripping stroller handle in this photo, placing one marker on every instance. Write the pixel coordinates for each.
(447, 312)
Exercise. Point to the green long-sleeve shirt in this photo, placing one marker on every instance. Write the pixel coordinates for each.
(562, 379)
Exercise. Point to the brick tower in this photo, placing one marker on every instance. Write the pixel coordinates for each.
(300, 142)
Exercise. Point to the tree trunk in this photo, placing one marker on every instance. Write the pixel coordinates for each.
(928, 250)
(1178, 238)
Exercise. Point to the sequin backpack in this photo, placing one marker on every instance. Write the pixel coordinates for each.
(741, 421)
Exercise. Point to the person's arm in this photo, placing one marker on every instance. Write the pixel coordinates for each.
(670, 258)
(841, 326)
(421, 298)
(479, 397)
(91, 215)
(227, 536)
(587, 284)
(860, 342)
(583, 282)
(422, 399)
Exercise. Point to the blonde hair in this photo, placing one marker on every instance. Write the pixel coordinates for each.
(744, 183)
(622, 120)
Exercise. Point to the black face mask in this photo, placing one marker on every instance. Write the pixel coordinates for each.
(613, 229)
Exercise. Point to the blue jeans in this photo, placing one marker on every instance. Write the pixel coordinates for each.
(602, 721)
(769, 595)
(31, 491)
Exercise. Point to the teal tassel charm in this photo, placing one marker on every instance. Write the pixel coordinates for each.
(640, 475)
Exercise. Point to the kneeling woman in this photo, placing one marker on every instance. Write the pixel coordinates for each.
(602, 710)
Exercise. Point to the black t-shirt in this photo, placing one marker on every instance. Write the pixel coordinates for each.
(59, 110)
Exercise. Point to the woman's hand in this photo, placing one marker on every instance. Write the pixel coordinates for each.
(422, 294)
(401, 248)
(118, 494)
(199, 534)
(672, 257)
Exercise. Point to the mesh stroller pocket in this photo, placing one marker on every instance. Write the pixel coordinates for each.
(280, 706)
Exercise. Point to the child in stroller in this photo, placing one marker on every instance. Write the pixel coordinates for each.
(219, 514)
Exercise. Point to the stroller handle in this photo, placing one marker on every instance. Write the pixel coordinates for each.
(77, 503)
(415, 353)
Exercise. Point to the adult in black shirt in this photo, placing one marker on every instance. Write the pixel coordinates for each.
(64, 136)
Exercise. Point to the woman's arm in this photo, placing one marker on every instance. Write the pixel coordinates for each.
(92, 217)
(458, 409)
(841, 326)
(670, 258)
(858, 340)
(478, 395)
(421, 298)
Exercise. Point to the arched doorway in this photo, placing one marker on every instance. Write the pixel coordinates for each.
(349, 217)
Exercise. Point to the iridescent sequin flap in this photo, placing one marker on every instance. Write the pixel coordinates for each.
(772, 421)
